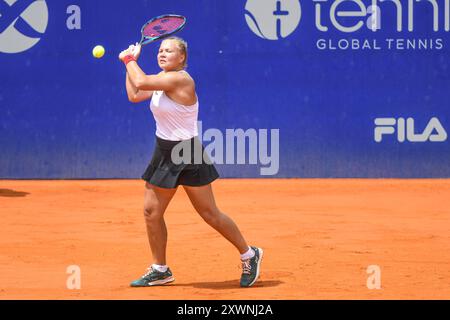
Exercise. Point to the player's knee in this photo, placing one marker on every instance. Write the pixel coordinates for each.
(151, 212)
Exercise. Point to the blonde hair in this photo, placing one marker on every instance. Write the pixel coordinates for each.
(182, 46)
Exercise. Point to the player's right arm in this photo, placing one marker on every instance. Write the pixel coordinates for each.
(134, 94)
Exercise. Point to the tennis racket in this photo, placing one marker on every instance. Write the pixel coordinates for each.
(161, 27)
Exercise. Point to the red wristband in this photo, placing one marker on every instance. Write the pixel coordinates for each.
(128, 58)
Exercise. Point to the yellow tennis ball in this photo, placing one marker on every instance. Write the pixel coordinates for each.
(98, 51)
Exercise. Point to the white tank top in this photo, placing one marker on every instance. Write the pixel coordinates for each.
(174, 121)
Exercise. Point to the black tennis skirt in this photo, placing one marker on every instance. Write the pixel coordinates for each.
(195, 168)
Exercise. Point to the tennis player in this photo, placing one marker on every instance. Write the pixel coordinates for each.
(174, 105)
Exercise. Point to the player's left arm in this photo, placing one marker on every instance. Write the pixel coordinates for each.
(165, 81)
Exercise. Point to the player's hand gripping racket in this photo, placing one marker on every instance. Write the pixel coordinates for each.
(161, 27)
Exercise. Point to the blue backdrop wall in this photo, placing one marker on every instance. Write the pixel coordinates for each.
(65, 114)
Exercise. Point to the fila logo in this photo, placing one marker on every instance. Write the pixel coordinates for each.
(434, 131)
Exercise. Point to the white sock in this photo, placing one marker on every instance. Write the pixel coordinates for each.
(160, 268)
(248, 255)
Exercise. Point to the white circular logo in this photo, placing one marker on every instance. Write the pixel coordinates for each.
(22, 23)
(273, 19)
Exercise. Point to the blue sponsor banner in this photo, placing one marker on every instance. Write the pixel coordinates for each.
(329, 88)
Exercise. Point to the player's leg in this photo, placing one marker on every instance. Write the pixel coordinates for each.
(156, 201)
(202, 199)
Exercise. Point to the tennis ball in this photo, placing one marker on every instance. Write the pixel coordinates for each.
(98, 51)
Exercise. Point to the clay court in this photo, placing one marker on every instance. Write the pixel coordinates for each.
(319, 237)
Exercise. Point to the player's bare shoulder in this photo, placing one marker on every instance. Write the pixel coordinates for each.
(188, 80)
(180, 78)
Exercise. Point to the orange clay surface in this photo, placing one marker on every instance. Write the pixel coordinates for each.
(319, 237)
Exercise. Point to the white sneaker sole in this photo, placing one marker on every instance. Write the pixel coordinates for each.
(161, 282)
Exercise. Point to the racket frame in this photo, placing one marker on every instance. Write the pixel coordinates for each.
(146, 40)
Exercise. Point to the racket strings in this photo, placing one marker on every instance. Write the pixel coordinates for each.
(162, 26)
